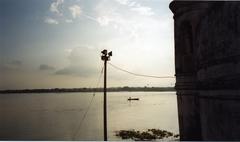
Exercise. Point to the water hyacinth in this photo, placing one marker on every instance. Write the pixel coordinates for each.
(150, 134)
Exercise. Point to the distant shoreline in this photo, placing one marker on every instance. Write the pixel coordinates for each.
(112, 89)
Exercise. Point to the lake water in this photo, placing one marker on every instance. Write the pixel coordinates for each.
(57, 116)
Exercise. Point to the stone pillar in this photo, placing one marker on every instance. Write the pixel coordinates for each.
(186, 18)
(207, 55)
(218, 71)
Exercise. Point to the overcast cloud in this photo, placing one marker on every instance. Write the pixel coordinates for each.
(57, 43)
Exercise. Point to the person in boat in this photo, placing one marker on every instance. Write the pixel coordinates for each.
(132, 98)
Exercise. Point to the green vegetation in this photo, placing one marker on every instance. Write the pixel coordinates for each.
(112, 89)
(150, 134)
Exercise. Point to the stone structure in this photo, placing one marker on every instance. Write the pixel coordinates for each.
(207, 58)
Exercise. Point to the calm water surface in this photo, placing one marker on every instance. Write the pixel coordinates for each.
(57, 116)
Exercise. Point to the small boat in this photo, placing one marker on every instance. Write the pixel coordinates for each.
(133, 99)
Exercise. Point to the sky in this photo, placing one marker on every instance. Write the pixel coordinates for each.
(58, 43)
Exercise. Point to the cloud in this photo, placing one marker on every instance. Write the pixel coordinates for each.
(68, 20)
(143, 10)
(83, 62)
(10, 65)
(128, 17)
(54, 7)
(76, 71)
(59, 8)
(75, 11)
(137, 7)
(16, 63)
(124, 2)
(49, 20)
(104, 20)
(45, 67)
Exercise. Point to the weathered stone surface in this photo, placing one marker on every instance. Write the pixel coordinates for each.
(188, 120)
(207, 58)
(220, 115)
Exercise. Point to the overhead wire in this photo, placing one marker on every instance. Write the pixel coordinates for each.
(88, 107)
(98, 81)
(136, 74)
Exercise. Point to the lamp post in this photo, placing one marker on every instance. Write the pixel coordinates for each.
(105, 57)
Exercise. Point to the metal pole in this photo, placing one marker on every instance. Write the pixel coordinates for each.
(105, 100)
(105, 57)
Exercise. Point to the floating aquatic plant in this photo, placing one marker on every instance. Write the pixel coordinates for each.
(150, 134)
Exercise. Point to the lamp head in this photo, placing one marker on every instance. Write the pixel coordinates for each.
(104, 52)
(110, 53)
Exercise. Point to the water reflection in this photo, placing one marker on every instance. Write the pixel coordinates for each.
(57, 116)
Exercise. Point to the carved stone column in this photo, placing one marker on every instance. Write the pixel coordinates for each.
(218, 71)
(207, 58)
(186, 18)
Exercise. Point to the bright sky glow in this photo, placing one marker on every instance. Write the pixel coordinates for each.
(57, 43)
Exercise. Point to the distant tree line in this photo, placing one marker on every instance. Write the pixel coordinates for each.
(111, 89)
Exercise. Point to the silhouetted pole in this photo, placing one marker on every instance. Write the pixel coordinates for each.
(105, 100)
(105, 57)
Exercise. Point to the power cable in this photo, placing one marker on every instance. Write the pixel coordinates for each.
(136, 74)
(99, 79)
(89, 105)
